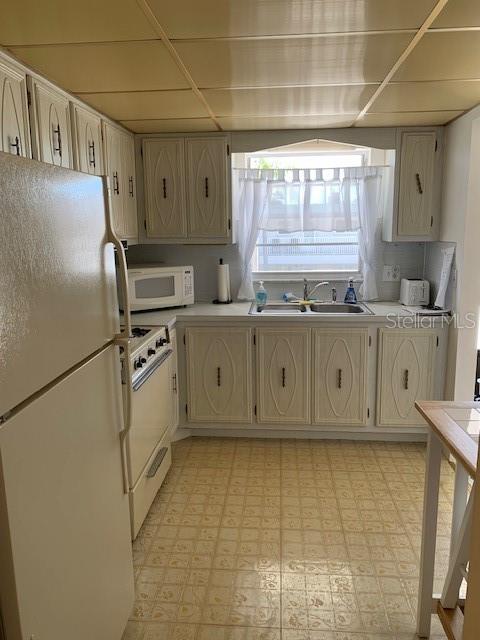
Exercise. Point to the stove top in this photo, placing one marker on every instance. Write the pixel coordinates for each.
(139, 332)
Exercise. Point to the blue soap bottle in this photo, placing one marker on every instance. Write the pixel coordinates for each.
(350, 295)
(261, 295)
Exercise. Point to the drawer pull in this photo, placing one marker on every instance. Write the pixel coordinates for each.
(116, 186)
(283, 377)
(154, 467)
(219, 379)
(91, 154)
(174, 378)
(339, 380)
(16, 145)
(206, 187)
(405, 379)
(58, 133)
(130, 186)
(164, 181)
(419, 183)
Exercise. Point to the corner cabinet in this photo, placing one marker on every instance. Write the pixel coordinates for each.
(187, 190)
(87, 140)
(50, 124)
(406, 361)
(283, 375)
(119, 156)
(340, 376)
(14, 128)
(219, 374)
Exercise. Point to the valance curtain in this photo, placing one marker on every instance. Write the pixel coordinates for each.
(339, 199)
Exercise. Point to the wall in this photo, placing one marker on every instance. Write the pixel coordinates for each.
(460, 223)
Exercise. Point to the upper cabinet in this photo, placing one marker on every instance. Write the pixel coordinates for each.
(87, 140)
(187, 189)
(14, 129)
(50, 124)
(119, 158)
(414, 215)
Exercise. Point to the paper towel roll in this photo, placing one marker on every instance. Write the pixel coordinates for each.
(223, 282)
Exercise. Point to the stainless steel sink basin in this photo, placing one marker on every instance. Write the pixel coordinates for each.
(338, 307)
(278, 308)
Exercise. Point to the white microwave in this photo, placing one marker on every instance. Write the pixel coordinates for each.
(158, 287)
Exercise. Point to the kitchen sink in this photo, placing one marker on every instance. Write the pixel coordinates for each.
(291, 308)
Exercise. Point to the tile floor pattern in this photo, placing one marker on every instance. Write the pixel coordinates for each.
(253, 539)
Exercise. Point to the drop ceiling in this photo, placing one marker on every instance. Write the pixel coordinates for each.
(209, 65)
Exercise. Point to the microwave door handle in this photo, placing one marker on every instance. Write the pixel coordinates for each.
(122, 262)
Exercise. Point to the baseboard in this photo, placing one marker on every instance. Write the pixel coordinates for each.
(180, 433)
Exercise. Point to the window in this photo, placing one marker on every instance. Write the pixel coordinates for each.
(279, 253)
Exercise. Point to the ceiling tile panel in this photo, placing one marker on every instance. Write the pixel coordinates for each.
(289, 100)
(410, 119)
(88, 68)
(428, 96)
(141, 105)
(234, 18)
(61, 21)
(170, 126)
(443, 56)
(459, 13)
(344, 59)
(286, 122)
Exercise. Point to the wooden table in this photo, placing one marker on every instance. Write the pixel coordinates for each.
(454, 426)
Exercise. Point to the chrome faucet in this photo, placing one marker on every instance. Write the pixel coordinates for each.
(306, 293)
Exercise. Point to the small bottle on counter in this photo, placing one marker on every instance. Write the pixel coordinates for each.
(261, 295)
(350, 295)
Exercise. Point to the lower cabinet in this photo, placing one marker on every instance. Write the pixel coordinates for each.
(406, 360)
(283, 375)
(340, 376)
(219, 374)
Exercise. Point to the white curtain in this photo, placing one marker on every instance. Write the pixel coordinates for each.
(339, 199)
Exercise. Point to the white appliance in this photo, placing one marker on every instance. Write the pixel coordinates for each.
(414, 292)
(153, 385)
(65, 549)
(152, 287)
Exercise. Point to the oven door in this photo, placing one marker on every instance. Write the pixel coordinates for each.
(155, 290)
(152, 414)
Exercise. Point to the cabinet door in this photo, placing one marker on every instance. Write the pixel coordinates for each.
(208, 209)
(87, 141)
(112, 145)
(50, 123)
(416, 184)
(14, 130)
(174, 379)
(283, 375)
(219, 374)
(340, 376)
(405, 374)
(165, 188)
(129, 187)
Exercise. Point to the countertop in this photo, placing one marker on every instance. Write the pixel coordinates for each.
(201, 312)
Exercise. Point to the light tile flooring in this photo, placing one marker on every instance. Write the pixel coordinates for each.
(254, 539)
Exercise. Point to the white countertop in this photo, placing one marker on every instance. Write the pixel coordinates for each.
(202, 312)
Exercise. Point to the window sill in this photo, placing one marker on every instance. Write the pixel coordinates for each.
(311, 276)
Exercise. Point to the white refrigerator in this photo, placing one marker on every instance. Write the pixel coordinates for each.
(65, 552)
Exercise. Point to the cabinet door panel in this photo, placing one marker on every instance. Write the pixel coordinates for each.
(219, 375)
(51, 125)
(283, 373)
(406, 362)
(207, 188)
(340, 370)
(416, 184)
(129, 187)
(14, 132)
(87, 141)
(165, 188)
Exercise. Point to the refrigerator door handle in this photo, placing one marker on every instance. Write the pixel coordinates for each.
(127, 407)
(122, 261)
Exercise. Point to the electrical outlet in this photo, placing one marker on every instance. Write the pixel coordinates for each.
(391, 273)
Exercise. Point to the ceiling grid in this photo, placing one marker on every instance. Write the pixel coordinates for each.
(184, 65)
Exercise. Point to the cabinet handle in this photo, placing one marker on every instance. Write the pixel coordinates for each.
(405, 379)
(58, 133)
(219, 380)
(206, 187)
(16, 145)
(339, 381)
(91, 154)
(130, 186)
(419, 183)
(164, 180)
(174, 377)
(283, 376)
(116, 186)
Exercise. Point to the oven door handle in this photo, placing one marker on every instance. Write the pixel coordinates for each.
(140, 381)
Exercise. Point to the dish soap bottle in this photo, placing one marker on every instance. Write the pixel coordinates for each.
(350, 295)
(261, 295)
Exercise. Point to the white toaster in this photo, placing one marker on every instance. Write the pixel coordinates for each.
(414, 292)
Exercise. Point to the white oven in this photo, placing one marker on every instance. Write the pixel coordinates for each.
(157, 287)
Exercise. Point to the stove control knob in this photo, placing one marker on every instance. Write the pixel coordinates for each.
(151, 352)
(160, 342)
(142, 361)
(137, 364)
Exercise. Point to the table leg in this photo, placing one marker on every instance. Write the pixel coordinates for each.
(429, 535)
